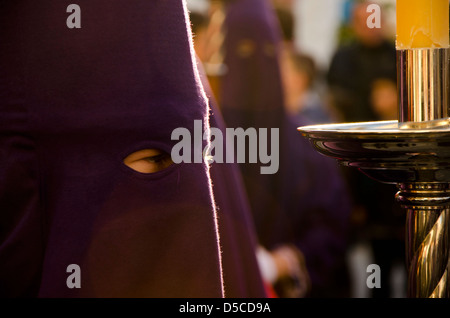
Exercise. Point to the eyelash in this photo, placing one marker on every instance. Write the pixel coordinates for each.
(158, 159)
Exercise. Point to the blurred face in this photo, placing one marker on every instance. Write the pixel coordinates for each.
(368, 36)
(295, 82)
(384, 99)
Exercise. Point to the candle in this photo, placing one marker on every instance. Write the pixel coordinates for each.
(422, 24)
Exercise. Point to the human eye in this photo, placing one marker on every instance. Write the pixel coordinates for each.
(148, 160)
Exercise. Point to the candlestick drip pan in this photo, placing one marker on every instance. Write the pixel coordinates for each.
(388, 151)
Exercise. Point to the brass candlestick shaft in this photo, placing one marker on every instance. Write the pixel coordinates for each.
(427, 228)
(423, 78)
(423, 91)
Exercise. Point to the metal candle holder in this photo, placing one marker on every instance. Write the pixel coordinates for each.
(414, 154)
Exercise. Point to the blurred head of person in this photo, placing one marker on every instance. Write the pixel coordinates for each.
(299, 75)
(363, 32)
(384, 99)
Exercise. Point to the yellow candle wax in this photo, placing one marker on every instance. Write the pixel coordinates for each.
(422, 24)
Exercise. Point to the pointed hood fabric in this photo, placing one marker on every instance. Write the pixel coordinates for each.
(73, 104)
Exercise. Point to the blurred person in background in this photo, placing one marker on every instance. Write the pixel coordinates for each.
(301, 212)
(207, 22)
(300, 76)
(357, 65)
(383, 97)
(302, 98)
(362, 83)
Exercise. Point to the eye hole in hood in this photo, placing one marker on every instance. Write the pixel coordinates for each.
(148, 160)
